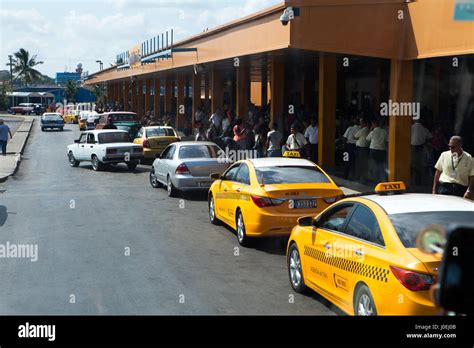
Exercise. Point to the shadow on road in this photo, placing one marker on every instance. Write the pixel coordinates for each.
(57, 130)
(194, 196)
(120, 168)
(3, 215)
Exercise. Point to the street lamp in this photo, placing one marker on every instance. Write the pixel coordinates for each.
(101, 64)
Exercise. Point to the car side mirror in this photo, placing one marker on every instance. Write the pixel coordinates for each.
(76, 141)
(158, 156)
(215, 176)
(305, 221)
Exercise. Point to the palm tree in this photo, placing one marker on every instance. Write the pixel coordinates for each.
(99, 91)
(71, 89)
(24, 66)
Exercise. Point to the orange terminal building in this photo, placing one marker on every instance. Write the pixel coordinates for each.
(331, 56)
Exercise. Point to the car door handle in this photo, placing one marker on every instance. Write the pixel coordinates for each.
(225, 190)
(92, 147)
(327, 246)
(82, 145)
(238, 190)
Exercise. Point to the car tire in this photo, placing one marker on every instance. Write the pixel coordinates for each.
(96, 164)
(132, 165)
(364, 304)
(295, 270)
(172, 192)
(212, 212)
(154, 180)
(72, 160)
(242, 237)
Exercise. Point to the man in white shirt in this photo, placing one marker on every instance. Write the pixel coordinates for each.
(419, 137)
(362, 152)
(311, 134)
(454, 171)
(350, 147)
(216, 119)
(297, 142)
(274, 138)
(378, 138)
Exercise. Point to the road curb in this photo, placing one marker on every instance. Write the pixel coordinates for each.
(24, 135)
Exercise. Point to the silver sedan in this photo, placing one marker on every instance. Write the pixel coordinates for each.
(186, 166)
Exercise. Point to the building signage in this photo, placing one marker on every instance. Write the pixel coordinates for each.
(464, 10)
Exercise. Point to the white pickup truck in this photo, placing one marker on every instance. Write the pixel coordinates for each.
(101, 147)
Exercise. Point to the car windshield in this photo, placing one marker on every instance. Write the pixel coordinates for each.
(160, 132)
(291, 175)
(123, 117)
(52, 118)
(114, 137)
(198, 151)
(409, 225)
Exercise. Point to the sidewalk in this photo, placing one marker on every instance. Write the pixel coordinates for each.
(9, 164)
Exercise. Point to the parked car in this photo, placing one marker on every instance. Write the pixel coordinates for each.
(101, 147)
(187, 166)
(155, 139)
(125, 119)
(22, 108)
(52, 121)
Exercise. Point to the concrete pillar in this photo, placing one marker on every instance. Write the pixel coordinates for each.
(399, 150)
(140, 99)
(157, 97)
(243, 89)
(277, 87)
(327, 109)
(217, 89)
(133, 93)
(180, 100)
(147, 96)
(264, 78)
(168, 92)
(126, 95)
(196, 96)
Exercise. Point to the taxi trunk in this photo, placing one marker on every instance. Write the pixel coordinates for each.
(160, 143)
(302, 199)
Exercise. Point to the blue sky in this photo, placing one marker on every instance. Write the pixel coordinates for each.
(65, 33)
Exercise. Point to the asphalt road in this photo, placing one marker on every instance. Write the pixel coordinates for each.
(83, 222)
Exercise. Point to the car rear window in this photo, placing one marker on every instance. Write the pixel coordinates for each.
(291, 175)
(408, 225)
(198, 151)
(123, 118)
(117, 137)
(160, 132)
(52, 118)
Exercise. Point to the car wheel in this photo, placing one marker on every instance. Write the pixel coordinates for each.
(132, 165)
(364, 304)
(295, 271)
(96, 165)
(153, 179)
(212, 212)
(241, 233)
(72, 160)
(172, 192)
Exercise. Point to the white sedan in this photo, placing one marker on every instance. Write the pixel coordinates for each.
(101, 147)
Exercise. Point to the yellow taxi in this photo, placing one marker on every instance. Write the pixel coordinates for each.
(70, 118)
(155, 139)
(266, 196)
(361, 254)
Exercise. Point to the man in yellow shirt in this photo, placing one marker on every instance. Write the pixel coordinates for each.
(454, 171)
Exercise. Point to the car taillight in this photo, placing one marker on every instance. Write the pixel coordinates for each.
(263, 202)
(146, 144)
(182, 169)
(332, 200)
(412, 280)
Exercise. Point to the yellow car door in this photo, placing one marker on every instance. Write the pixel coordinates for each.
(319, 250)
(224, 200)
(357, 252)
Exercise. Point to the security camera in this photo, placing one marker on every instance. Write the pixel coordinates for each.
(287, 16)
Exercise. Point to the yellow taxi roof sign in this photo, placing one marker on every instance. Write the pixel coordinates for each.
(390, 187)
(295, 154)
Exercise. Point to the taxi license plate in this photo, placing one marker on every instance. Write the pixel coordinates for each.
(303, 204)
